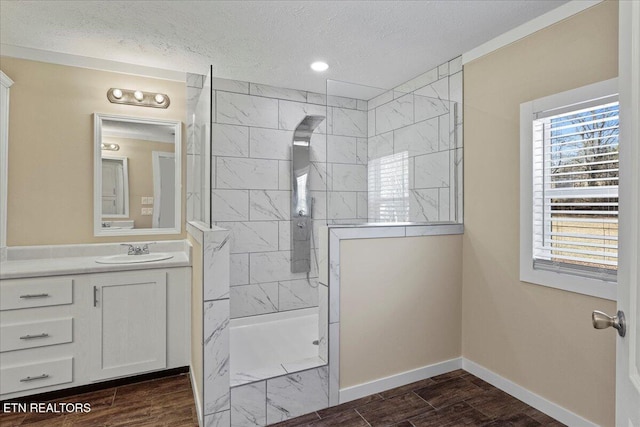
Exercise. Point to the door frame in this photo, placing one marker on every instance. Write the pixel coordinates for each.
(627, 359)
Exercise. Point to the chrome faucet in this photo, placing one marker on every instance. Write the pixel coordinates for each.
(137, 249)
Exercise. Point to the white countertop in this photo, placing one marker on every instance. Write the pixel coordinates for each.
(81, 265)
(62, 260)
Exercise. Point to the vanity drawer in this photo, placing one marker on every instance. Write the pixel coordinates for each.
(19, 336)
(42, 374)
(41, 292)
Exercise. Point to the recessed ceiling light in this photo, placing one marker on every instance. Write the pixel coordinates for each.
(319, 66)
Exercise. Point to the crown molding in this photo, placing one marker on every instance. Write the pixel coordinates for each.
(552, 17)
(91, 63)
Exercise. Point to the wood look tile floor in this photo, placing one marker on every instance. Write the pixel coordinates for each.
(454, 399)
(164, 402)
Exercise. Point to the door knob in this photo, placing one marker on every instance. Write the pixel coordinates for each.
(603, 320)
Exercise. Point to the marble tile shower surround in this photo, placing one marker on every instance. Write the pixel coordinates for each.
(216, 399)
(252, 133)
(255, 212)
(423, 117)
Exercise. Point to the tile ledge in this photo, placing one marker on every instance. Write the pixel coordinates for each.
(374, 230)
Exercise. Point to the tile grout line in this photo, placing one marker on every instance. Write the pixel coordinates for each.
(361, 416)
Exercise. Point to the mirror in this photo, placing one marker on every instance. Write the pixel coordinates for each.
(136, 175)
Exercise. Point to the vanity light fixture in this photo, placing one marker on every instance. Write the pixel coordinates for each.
(138, 97)
(110, 146)
(319, 66)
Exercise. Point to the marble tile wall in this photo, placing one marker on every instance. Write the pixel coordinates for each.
(278, 399)
(423, 117)
(252, 135)
(216, 399)
(215, 265)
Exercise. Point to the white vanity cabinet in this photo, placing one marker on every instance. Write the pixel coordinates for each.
(91, 327)
(128, 323)
(36, 333)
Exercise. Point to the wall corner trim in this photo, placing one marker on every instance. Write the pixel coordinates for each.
(196, 397)
(552, 17)
(530, 398)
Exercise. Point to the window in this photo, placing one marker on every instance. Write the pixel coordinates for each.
(388, 188)
(569, 190)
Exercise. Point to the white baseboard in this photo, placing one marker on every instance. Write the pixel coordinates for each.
(196, 397)
(365, 389)
(540, 403)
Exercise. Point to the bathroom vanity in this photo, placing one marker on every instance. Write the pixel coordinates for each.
(67, 320)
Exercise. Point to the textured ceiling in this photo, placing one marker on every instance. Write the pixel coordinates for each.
(376, 43)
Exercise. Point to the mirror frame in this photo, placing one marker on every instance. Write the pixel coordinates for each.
(98, 230)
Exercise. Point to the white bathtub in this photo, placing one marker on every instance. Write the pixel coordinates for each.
(271, 345)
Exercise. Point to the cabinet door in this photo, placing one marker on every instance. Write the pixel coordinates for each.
(129, 323)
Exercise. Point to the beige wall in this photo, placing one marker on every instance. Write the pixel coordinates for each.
(50, 198)
(139, 154)
(538, 337)
(197, 344)
(400, 305)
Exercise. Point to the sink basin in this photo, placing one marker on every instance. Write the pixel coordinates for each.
(132, 259)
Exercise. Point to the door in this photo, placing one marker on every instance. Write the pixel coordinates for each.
(628, 347)
(129, 323)
(111, 171)
(115, 186)
(164, 189)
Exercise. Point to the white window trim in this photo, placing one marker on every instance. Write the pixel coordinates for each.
(564, 281)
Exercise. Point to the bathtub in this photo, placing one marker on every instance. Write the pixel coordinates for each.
(271, 345)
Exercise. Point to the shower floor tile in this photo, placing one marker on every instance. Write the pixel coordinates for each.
(273, 345)
(256, 374)
(302, 364)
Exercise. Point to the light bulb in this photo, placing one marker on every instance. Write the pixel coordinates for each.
(319, 66)
(117, 93)
(159, 98)
(138, 95)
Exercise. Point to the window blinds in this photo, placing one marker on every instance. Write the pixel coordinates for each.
(388, 188)
(575, 190)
